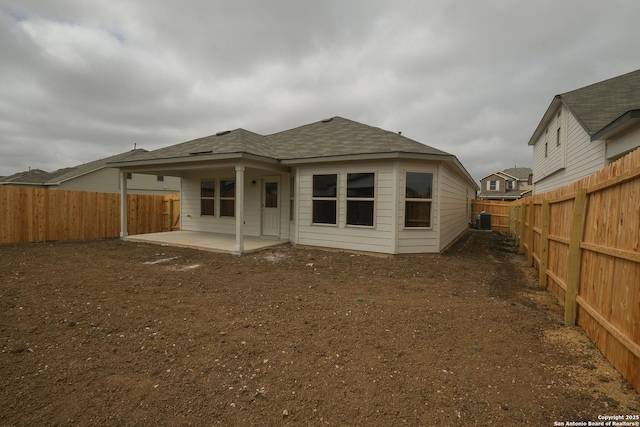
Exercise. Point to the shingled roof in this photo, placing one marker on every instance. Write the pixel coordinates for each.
(599, 107)
(331, 137)
(338, 136)
(599, 104)
(40, 177)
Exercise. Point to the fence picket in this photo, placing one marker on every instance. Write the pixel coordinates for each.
(40, 214)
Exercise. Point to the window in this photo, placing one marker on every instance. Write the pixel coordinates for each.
(360, 198)
(292, 198)
(160, 178)
(227, 197)
(546, 143)
(271, 195)
(207, 197)
(129, 175)
(417, 205)
(509, 184)
(558, 125)
(493, 185)
(325, 191)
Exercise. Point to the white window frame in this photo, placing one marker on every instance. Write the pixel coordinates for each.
(361, 199)
(419, 200)
(334, 199)
(226, 198)
(215, 207)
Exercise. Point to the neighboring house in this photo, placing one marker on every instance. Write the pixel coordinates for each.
(334, 183)
(510, 184)
(584, 130)
(95, 176)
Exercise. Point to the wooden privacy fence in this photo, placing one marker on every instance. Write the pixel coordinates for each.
(499, 213)
(171, 212)
(585, 241)
(40, 214)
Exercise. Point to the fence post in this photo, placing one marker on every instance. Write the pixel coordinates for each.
(575, 256)
(170, 214)
(523, 227)
(544, 244)
(531, 221)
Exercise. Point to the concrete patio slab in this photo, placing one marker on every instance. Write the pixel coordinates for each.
(213, 242)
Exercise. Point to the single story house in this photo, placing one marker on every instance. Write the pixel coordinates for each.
(335, 183)
(585, 130)
(95, 176)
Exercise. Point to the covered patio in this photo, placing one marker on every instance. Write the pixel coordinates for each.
(214, 242)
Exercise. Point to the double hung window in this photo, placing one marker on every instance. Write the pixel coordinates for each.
(227, 197)
(360, 198)
(418, 199)
(325, 198)
(207, 197)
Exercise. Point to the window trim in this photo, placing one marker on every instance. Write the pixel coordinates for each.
(419, 200)
(226, 198)
(215, 183)
(361, 199)
(558, 126)
(334, 199)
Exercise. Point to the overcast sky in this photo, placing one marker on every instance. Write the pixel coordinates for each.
(84, 79)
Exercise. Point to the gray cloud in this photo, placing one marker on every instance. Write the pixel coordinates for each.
(87, 80)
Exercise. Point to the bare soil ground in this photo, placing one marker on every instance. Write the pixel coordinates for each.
(128, 334)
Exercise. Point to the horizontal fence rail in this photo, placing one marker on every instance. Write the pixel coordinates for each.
(41, 214)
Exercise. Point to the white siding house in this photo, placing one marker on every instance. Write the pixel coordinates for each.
(584, 130)
(334, 183)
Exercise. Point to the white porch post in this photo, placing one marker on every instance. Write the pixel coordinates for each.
(123, 205)
(239, 209)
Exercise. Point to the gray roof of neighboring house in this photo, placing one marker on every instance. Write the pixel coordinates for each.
(520, 173)
(599, 107)
(601, 103)
(65, 174)
(32, 176)
(40, 177)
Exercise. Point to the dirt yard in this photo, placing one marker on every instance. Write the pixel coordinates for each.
(127, 334)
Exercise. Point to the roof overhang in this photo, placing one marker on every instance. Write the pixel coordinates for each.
(175, 165)
(548, 115)
(626, 121)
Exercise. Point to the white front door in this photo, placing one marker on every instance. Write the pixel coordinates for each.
(271, 206)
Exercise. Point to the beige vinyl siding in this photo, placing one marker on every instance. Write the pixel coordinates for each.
(584, 157)
(455, 197)
(418, 240)
(548, 157)
(619, 146)
(379, 238)
(107, 180)
(149, 184)
(190, 203)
